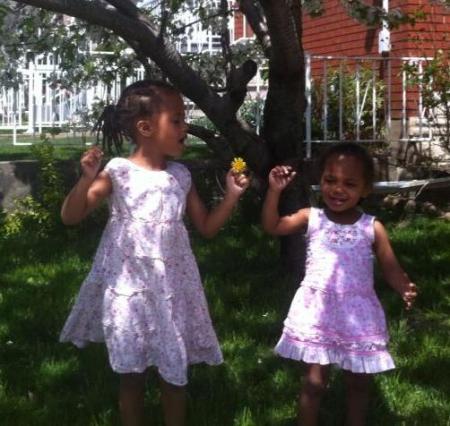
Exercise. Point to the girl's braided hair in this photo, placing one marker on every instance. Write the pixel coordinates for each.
(140, 99)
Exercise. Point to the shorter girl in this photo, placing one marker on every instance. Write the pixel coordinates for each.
(143, 295)
(335, 316)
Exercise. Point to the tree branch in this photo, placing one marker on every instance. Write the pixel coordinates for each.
(221, 110)
(225, 41)
(257, 23)
(126, 7)
(214, 140)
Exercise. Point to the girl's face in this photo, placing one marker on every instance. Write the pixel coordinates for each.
(168, 128)
(342, 183)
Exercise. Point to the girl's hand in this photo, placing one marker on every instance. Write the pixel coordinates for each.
(90, 162)
(409, 294)
(280, 177)
(236, 183)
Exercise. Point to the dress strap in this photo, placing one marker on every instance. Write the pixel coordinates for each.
(313, 220)
(367, 225)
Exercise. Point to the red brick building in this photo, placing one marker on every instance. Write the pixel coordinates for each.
(336, 33)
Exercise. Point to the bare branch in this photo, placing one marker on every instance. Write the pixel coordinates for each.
(214, 140)
(225, 41)
(126, 7)
(286, 54)
(257, 23)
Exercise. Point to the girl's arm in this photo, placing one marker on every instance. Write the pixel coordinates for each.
(392, 271)
(209, 223)
(89, 191)
(279, 178)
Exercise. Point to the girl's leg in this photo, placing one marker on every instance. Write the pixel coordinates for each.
(314, 386)
(358, 389)
(131, 398)
(173, 400)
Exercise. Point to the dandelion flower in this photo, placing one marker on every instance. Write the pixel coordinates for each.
(238, 165)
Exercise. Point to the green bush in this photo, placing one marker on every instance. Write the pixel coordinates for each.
(39, 214)
(347, 80)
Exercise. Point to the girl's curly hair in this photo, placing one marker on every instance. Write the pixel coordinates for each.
(353, 150)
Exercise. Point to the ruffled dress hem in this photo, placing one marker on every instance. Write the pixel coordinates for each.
(376, 362)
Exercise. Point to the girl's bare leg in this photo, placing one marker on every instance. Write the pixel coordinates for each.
(358, 390)
(131, 398)
(314, 386)
(173, 400)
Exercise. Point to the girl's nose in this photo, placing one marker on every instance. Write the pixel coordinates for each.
(337, 188)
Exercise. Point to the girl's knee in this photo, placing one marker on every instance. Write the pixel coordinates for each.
(358, 382)
(170, 388)
(314, 388)
(135, 381)
(315, 380)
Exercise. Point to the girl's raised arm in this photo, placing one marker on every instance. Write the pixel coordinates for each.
(273, 224)
(89, 191)
(209, 223)
(392, 271)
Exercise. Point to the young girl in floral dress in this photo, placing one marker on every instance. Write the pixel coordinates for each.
(335, 316)
(143, 296)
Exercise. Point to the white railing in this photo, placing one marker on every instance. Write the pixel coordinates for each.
(366, 84)
(351, 96)
(38, 103)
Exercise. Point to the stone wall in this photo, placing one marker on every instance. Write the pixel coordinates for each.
(20, 178)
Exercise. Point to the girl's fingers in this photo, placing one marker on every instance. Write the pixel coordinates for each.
(242, 181)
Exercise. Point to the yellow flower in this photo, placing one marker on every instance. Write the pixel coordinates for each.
(238, 165)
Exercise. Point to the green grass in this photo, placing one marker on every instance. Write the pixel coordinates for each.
(71, 148)
(43, 382)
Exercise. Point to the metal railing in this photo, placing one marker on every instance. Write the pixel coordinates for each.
(357, 98)
(348, 98)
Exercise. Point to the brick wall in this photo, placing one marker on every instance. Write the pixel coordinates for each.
(335, 33)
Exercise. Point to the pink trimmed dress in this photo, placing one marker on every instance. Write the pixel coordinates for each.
(335, 316)
(143, 295)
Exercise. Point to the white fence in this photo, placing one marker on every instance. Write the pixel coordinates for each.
(39, 103)
(358, 98)
(348, 99)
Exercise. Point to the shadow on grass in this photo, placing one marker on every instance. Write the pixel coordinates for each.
(43, 382)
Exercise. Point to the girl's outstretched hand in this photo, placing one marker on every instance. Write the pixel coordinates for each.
(236, 183)
(280, 177)
(91, 161)
(409, 294)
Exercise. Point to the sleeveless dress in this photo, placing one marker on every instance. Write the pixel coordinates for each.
(335, 316)
(143, 295)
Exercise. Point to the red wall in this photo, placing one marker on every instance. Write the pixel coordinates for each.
(335, 33)
(238, 22)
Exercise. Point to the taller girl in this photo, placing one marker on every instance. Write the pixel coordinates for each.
(336, 317)
(143, 295)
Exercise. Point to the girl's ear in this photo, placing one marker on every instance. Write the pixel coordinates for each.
(144, 127)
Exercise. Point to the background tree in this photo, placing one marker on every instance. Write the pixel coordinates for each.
(150, 28)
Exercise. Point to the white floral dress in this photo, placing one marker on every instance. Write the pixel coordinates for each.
(143, 295)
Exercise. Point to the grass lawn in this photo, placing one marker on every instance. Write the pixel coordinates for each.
(71, 148)
(43, 382)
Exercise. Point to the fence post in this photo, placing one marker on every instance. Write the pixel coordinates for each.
(30, 129)
(308, 104)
